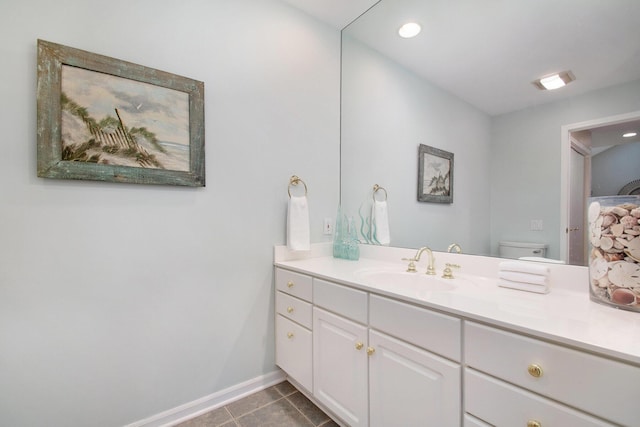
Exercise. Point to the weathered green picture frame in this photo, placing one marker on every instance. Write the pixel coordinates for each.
(133, 124)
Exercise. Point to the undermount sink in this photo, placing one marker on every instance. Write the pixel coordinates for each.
(382, 277)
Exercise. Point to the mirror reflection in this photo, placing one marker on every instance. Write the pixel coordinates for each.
(465, 85)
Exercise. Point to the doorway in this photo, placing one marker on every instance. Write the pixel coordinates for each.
(580, 143)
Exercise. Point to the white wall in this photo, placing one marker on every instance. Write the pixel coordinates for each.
(525, 165)
(119, 301)
(621, 159)
(387, 112)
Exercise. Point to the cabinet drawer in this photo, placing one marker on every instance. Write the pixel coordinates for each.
(343, 300)
(294, 308)
(432, 331)
(294, 351)
(502, 404)
(579, 379)
(470, 421)
(295, 284)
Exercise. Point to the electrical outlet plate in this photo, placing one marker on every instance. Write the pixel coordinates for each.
(327, 226)
(536, 225)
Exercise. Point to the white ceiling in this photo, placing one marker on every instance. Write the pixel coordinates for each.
(488, 52)
(338, 13)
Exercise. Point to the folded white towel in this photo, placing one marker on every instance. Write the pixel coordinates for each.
(524, 267)
(523, 286)
(532, 279)
(381, 222)
(541, 259)
(298, 233)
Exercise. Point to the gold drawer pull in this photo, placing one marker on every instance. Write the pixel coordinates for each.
(359, 345)
(289, 310)
(289, 335)
(370, 351)
(533, 423)
(535, 371)
(290, 284)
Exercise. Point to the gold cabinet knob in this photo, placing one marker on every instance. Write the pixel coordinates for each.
(535, 370)
(289, 310)
(533, 423)
(290, 284)
(289, 335)
(370, 351)
(359, 345)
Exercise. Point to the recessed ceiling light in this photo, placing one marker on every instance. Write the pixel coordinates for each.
(408, 30)
(629, 135)
(554, 81)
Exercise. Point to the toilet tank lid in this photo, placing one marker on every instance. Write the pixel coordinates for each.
(523, 244)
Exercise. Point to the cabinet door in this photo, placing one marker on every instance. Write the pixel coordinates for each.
(410, 386)
(340, 366)
(293, 351)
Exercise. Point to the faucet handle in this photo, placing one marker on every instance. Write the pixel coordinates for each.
(447, 273)
(411, 268)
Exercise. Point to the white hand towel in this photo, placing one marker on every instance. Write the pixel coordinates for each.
(524, 267)
(532, 279)
(381, 222)
(298, 233)
(523, 286)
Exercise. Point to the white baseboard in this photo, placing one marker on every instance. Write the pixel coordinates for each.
(213, 401)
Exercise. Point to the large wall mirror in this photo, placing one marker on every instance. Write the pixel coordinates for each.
(464, 85)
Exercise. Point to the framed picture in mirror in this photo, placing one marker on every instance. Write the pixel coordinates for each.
(104, 119)
(435, 175)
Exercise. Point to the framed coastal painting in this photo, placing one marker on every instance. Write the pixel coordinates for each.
(104, 119)
(435, 175)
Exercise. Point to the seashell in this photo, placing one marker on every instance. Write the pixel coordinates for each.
(618, 245)
(617, 229)
(604, 282)
(628, 206)
(635, 212)
(614, 256)
(628, 221)
(608, 220)
(632, 232)
(620, 211)
(633, 249)
(593, 212)
(624, 241)
(606, 243)
(623, 296)
(599, 268)
(625, 274)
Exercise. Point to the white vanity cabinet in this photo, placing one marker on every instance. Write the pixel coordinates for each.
(371, 367)
(293, 326)
(512, 379)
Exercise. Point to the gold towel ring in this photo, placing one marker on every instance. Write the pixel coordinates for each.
(376, 188)
(294, 180)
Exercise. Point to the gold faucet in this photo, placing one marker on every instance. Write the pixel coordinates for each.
(456, 247)
(430, 269)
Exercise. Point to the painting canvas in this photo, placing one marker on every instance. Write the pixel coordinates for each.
(149, 128)
(435, 175)
(104, 119)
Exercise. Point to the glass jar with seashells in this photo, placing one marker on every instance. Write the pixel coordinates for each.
(614, 251)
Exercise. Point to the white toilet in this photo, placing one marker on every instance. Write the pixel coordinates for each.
(521, 249)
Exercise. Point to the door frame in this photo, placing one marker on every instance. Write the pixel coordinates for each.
(565, 170)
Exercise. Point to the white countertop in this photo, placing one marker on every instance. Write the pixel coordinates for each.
(566, 314)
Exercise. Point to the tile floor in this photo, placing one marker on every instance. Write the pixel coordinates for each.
(280, 405)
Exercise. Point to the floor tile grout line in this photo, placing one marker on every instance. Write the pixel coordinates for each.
(305, 416)
(254, 410)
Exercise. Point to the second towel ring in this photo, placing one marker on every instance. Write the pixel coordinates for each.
(377, 188)
(294, 180)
